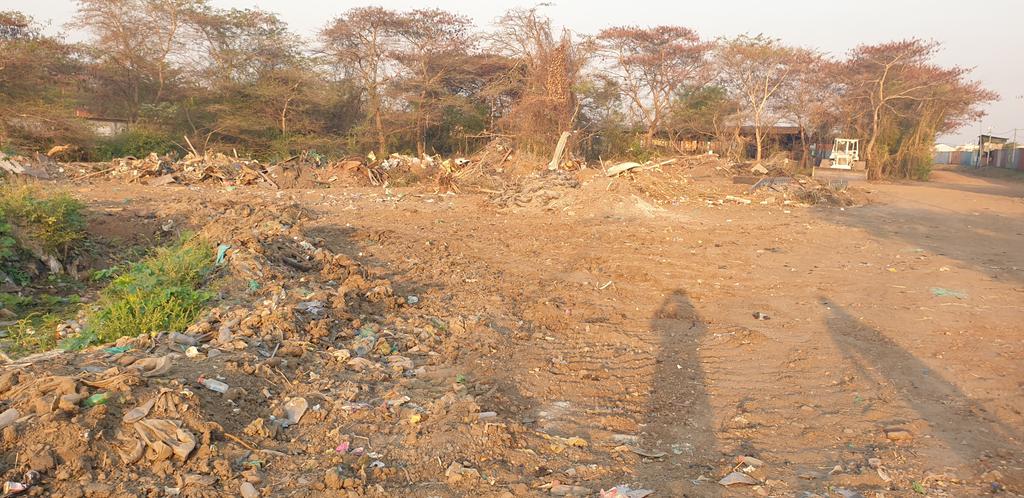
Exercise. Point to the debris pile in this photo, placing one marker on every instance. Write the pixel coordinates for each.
(35, 167)
(312, 369)
(157, 170)
(546, 189)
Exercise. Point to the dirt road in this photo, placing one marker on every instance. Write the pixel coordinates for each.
(892, 330)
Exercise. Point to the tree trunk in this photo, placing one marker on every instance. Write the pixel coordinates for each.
(649, 136)
(874, 168)
(378, 122)
(421, 141)
(804, 150)
(757, 138)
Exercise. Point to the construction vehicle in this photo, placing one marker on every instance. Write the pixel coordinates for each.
(843, 164)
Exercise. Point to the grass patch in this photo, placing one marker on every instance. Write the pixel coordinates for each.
(34, 333)
(163, 292)
(36, 329)
(54, 222)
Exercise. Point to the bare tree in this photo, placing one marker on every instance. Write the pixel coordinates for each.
(361, 42)
(137, 40)
(811, 100)
(756, 68)
(546, 72)
(435, 45)
(652, 65)
(900, 87)
(39, 81)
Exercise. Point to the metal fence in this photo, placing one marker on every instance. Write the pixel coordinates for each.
(1001, 158)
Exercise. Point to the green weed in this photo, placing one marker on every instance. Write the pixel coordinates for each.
(34, 333)
(56, 222)
(161, 293)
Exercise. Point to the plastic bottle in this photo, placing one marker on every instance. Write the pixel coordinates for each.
(96, 399)
(214, 385)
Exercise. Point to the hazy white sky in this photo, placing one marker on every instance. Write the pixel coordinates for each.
(986, 35)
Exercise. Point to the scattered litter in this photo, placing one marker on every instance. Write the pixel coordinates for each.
(622, 168)
(96, 399)
(222, 251)
(623, 491)
(737, 478)
(27, 481)
(214, 385)
(940, 292)
(165, 438)
(294, 409)
(761, 316)
(647, 453)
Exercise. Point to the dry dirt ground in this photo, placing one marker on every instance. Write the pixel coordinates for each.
(633, 326)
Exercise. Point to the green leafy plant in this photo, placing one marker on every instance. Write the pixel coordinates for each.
(54, 222)
(136, 143)
(161, 293)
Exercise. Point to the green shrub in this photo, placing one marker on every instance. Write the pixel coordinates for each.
(136, 143)
(161, 293)
(54, 223)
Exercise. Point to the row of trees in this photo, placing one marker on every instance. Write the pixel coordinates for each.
(429, 81)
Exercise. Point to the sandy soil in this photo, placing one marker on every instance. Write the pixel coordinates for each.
(603, 318)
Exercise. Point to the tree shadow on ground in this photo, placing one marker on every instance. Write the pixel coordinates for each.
(987, 242)
(963, 424)
(679, 414)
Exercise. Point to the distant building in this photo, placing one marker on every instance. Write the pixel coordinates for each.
(103, 126)
(989, 143)
(944, 148)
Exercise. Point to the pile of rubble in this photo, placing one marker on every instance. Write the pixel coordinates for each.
(312, 374)
(157, 170)
(39, 166)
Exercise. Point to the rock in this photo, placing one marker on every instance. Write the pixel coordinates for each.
(333, 478)
(69, 402)
(567, 490)
(97, 490)
(898, 435)
(749, 460)
(626, 439)
(456, 472)
(252, 475)
(247, 490)
(41, 460)
(359, 364)
(294, 409)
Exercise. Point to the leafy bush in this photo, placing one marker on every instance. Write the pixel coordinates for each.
(54, 223)
(136, 143)
(161, 293)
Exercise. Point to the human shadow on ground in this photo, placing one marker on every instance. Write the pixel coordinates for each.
(679, 414)
(962, 423)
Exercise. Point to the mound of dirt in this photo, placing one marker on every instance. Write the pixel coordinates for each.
(312, 375)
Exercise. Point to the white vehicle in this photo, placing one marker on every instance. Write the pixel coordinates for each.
(843, 163)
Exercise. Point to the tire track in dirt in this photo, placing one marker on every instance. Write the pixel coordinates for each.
(668, 351)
